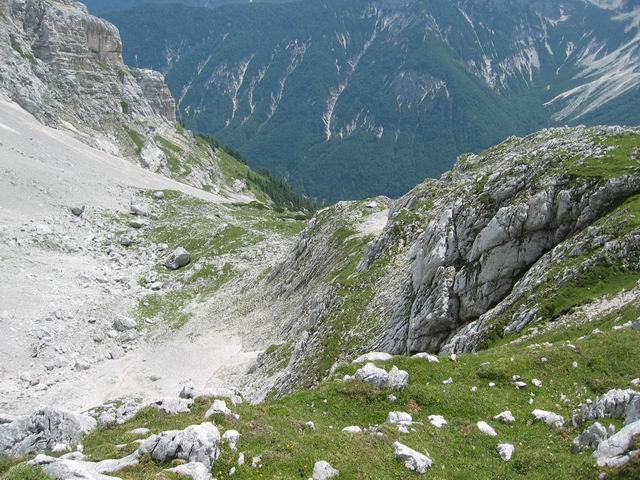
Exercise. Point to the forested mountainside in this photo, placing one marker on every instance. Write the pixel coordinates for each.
(356, 98)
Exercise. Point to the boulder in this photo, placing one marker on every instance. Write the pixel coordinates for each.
(399, 418)
(46, 429)
(194, 470)
(552, 419)
(352, 429)
(373, 375)
(373, 357)
(230, 393)
(615, 452)
(487, 429)
(139, 210)
(414, 461)
(197, 443)
(177, 259)
(398, 379)
(219, 407)
(324, 471)
(122, 323)
(77, 211)
(505, 417)
(126, 240)
(231, 437)
(437, 421)
(612, 404)
(428, 357)
(173, 405)
(73, 467)
(505, 450)
(591, 437)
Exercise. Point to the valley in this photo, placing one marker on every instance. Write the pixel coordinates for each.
(170, 312)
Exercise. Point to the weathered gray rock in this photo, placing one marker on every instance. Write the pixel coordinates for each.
(505, 450)
(590, 438)
(197, 443)
(352, 429)
(173, 405)
(230, 393)
(373, 375)
(46, 429)
(487, 429)
(398, 379)
(322, 470)
(140, 431)
(373, 357)
(616, 452)
(615, 403)
(552, 419)
(231, 437)
(505, 417)
(414, 461)
(219, 407)
(194, 470)
(122, 323)
(74, 467)
(177, 259)
(399, 418)
(138, 210)
(77, 211)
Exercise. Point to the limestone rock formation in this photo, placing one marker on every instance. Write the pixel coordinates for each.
(46, 429)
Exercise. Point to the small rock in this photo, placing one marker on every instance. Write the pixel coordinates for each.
(414, 461)
(139, 210)
(122, 323)
(505, 417)
(219, 407)
(140, 431)
(352, 429)
(427, 356)
(396, 418)
(231, 437)
(177, 259)
(552, 419)
(505, 450)
(373, 357)
(194, 470)
(324, 471)
(77, 211)
(398, 379)
(487, 429)
(311, 426)
(437, 421)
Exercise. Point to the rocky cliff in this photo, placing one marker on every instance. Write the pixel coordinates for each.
(509, 240)
(65, 67)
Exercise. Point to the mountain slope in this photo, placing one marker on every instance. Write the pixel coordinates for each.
(98, 7)
(353, 99)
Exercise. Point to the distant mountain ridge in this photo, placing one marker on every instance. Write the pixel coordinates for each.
(356, 98)
(101, 6)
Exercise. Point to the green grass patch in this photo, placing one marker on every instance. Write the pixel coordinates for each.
(24, 471)
(136, 139)
(621, 160)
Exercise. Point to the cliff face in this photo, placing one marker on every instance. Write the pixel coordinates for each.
(65, 67)
(61, 64)
(521, 235)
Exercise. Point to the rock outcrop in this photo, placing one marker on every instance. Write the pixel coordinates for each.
(481, 253)
(46, 429)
